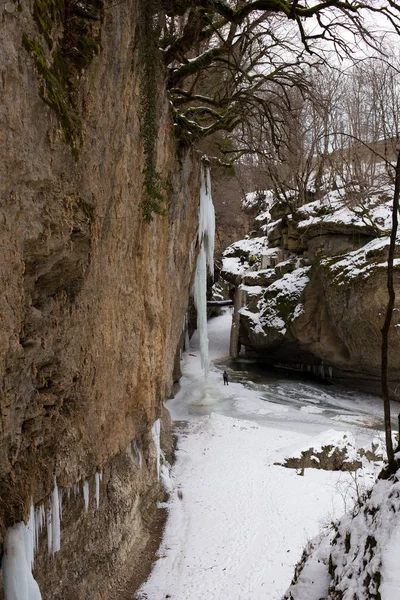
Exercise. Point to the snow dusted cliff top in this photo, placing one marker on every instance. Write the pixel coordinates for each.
(337, 211)
(373, 212)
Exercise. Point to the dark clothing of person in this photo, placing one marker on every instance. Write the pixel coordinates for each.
(242, 260)
(225, 376)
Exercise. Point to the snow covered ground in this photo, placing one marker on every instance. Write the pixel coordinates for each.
(238, 522)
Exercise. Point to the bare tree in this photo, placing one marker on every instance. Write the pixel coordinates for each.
(223, 56)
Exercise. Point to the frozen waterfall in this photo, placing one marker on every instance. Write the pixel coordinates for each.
(206, 235)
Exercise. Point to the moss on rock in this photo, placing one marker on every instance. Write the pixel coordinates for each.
(72, 35)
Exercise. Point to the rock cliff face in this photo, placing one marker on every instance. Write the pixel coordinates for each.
(92, 298)
(316, 298)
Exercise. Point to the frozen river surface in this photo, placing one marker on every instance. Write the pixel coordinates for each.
(237, 521)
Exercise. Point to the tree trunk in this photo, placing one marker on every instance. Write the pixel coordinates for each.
(388, 319)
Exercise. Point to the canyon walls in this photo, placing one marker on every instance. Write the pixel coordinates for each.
(93, 298)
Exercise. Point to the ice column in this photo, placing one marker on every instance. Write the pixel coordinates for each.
(206, 235)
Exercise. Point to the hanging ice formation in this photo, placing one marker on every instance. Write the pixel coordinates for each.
(98, 478)
(20, 544)
(138, 452)
(206, 235)
(86, 494)
(155, 432)
(53, 521)
(21, 541)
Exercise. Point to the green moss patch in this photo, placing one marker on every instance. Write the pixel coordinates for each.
(71, 32)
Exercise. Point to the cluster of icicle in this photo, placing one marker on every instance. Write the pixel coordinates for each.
(21, 541)
(206, 235)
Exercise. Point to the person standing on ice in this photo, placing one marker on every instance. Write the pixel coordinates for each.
(225, 376)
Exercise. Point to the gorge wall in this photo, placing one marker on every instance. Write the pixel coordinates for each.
(316, 297)
(93, 298)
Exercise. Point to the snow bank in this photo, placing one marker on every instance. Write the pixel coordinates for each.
(359, 557)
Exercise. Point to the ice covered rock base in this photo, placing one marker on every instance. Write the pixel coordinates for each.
(359, 558)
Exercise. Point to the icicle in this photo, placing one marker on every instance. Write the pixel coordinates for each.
(29, 537)
(40, 518)
(155, 431)
(97, 478)
(76, 489)
(55, 518)
(101, 475)
(49, 523)
(138, 452)
(18, 581)
(86, 494)
(330, 371)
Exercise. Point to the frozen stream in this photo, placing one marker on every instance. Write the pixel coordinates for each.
(237, 521)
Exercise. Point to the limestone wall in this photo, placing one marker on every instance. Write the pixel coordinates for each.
(92, 298)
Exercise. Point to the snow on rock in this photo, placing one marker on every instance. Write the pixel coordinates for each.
(311, 578)
(360, 263)
(361, 560)
(331, 450)
(342, 440)
(281, 303)
(256, 245)
(257, 199)
(372, 214)
(18, 581)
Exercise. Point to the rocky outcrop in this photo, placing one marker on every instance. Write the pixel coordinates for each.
(321, 308)
(93, 298)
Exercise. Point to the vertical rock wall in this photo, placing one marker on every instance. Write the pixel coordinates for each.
(92, 298)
